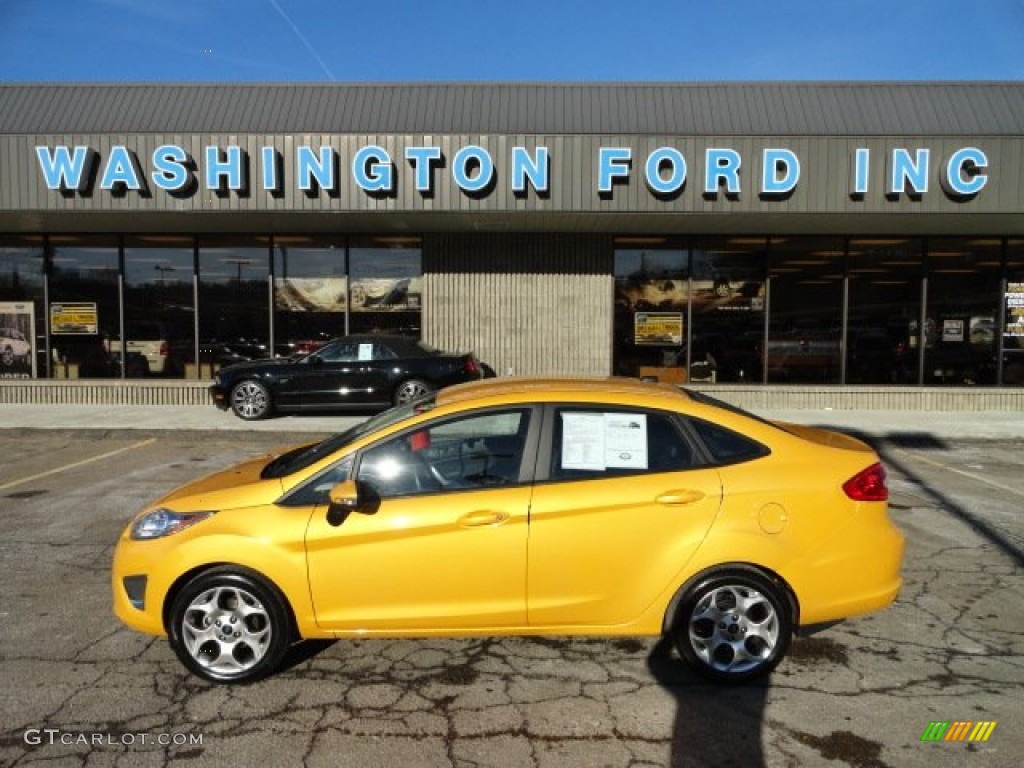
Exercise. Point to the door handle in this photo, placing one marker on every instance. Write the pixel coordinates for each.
(682, 496)
(482, 518)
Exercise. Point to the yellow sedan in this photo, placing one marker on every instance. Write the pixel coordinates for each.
(521, 507)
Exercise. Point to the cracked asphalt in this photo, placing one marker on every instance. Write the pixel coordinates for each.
(80, 690)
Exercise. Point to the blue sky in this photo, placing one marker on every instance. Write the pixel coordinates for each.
(532, 40)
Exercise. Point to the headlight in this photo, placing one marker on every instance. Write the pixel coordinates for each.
(164, 522)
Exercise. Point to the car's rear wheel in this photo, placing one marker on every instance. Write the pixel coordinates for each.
(733, 625)
(229, 626)
(7, 356)
(412, 389)
(250, 400)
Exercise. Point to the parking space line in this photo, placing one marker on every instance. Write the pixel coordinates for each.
(971, 475)
(76, 464)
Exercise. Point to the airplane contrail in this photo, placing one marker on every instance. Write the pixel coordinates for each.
(304, 41)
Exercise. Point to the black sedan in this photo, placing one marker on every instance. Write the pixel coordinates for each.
(363, 372)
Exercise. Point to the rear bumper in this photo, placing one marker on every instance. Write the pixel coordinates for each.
(853, 572)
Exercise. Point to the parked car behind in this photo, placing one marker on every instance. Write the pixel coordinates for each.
(367, 372)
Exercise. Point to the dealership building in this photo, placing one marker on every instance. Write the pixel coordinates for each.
(831, 236)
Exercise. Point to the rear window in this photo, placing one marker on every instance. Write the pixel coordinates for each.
(726, 446)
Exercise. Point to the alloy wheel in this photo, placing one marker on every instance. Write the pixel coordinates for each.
(226, 630)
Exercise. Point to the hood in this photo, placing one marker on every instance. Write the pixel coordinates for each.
(237, 486)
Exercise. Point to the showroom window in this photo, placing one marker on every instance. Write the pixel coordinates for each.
(22, 297)
(651, 299)
(884, 334)
(234, 324)
(85, 307)
(159, 305)
(963, 288)
(386, 285)
(806, 314)
(727, 305)
(1013, 315)
(310, 293)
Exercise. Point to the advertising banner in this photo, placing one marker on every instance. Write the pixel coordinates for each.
(311, 294)
(17, 340)
(661, 328)
(79, 318)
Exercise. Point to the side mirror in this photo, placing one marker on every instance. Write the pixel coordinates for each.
(344, 496)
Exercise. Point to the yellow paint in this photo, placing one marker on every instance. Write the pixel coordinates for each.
(594, 556)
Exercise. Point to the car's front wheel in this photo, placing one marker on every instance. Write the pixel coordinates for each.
(7, 356)
(229, 626)
(412, 389)
(733, 625)
(250, 400)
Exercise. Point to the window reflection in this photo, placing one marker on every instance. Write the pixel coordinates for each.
(806, 314)
(1013, 315)
(233, 321)
(21, 291)
(85, 309)
(884, 336)
(386, 285)
(963, 290)
(651, 295)
(159, 306)
(728, 306)
(310, 293)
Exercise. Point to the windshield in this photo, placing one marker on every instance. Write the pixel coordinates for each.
(307, 455)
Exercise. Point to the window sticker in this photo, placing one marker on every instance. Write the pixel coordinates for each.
(599, 441)
(625, 436)
(365, 352)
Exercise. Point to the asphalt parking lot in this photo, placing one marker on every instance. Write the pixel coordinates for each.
(78, 689)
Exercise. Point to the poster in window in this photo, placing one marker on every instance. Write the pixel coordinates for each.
(311, 294)
(1014, 311)
(386, 294)
(952, 330)
(17, 340)
(73, 318)
(658, 328)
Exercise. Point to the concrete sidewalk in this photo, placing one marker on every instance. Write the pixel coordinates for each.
(967, 425)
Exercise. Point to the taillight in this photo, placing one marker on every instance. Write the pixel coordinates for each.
(868, 485)
(163, 349)
(470, 366)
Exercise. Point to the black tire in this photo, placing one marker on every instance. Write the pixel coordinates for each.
(733, 625)
(251, 401)
(228, 625)
(410, 390)
(7, 356)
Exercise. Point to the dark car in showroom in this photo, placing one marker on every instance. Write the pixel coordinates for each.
(353, 372)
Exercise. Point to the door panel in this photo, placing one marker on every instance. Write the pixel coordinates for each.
(626, 505)
(439, 561)
(601, 550)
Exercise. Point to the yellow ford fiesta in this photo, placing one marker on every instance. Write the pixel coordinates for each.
(515, 507)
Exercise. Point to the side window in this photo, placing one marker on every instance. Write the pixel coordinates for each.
(726, 446)
(314, 491)
(380, 352)
(472, 452)
(591, 444)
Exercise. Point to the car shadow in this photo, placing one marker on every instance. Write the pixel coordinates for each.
(713, 724)
(302, 652)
